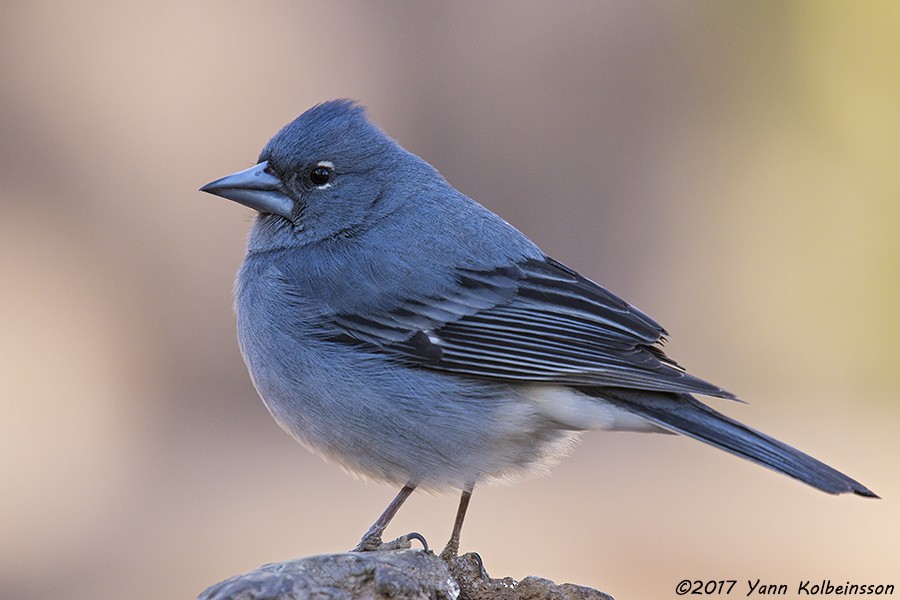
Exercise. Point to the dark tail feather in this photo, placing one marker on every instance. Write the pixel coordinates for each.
(684, 414)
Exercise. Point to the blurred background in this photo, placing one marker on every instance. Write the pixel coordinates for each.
(730, 168)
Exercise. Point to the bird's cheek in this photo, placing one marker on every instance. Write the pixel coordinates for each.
(299, 210)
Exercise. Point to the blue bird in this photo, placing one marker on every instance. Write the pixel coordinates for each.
(400, 329)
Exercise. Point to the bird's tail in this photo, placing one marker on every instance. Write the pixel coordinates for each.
(682, 413)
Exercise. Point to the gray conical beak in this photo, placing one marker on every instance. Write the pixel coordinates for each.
(256, 188)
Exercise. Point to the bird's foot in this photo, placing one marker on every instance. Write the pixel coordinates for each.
(372, 543)
(414, 535)
(451, 551)
(369, 543)
(469, 567)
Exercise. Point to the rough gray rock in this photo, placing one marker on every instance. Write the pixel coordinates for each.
(396, 574)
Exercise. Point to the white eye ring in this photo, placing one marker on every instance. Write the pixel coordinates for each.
(323, 165)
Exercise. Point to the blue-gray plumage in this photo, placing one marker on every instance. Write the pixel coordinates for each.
(402, 330)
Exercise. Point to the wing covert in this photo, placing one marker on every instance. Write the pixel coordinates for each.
(536, 321)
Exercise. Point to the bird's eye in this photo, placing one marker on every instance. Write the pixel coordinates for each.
(321, 175)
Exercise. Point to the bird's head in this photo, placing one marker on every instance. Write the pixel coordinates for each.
(327, 174)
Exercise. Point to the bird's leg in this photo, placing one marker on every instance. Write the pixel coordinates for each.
(372, 539)
(452, 547)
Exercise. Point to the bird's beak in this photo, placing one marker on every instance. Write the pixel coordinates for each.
(256, 188)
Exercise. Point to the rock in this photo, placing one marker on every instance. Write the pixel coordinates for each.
(475, 584)
(396, 574)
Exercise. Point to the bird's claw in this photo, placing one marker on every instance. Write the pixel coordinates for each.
(373, 543)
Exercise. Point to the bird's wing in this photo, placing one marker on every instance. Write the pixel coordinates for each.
(535, 321)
